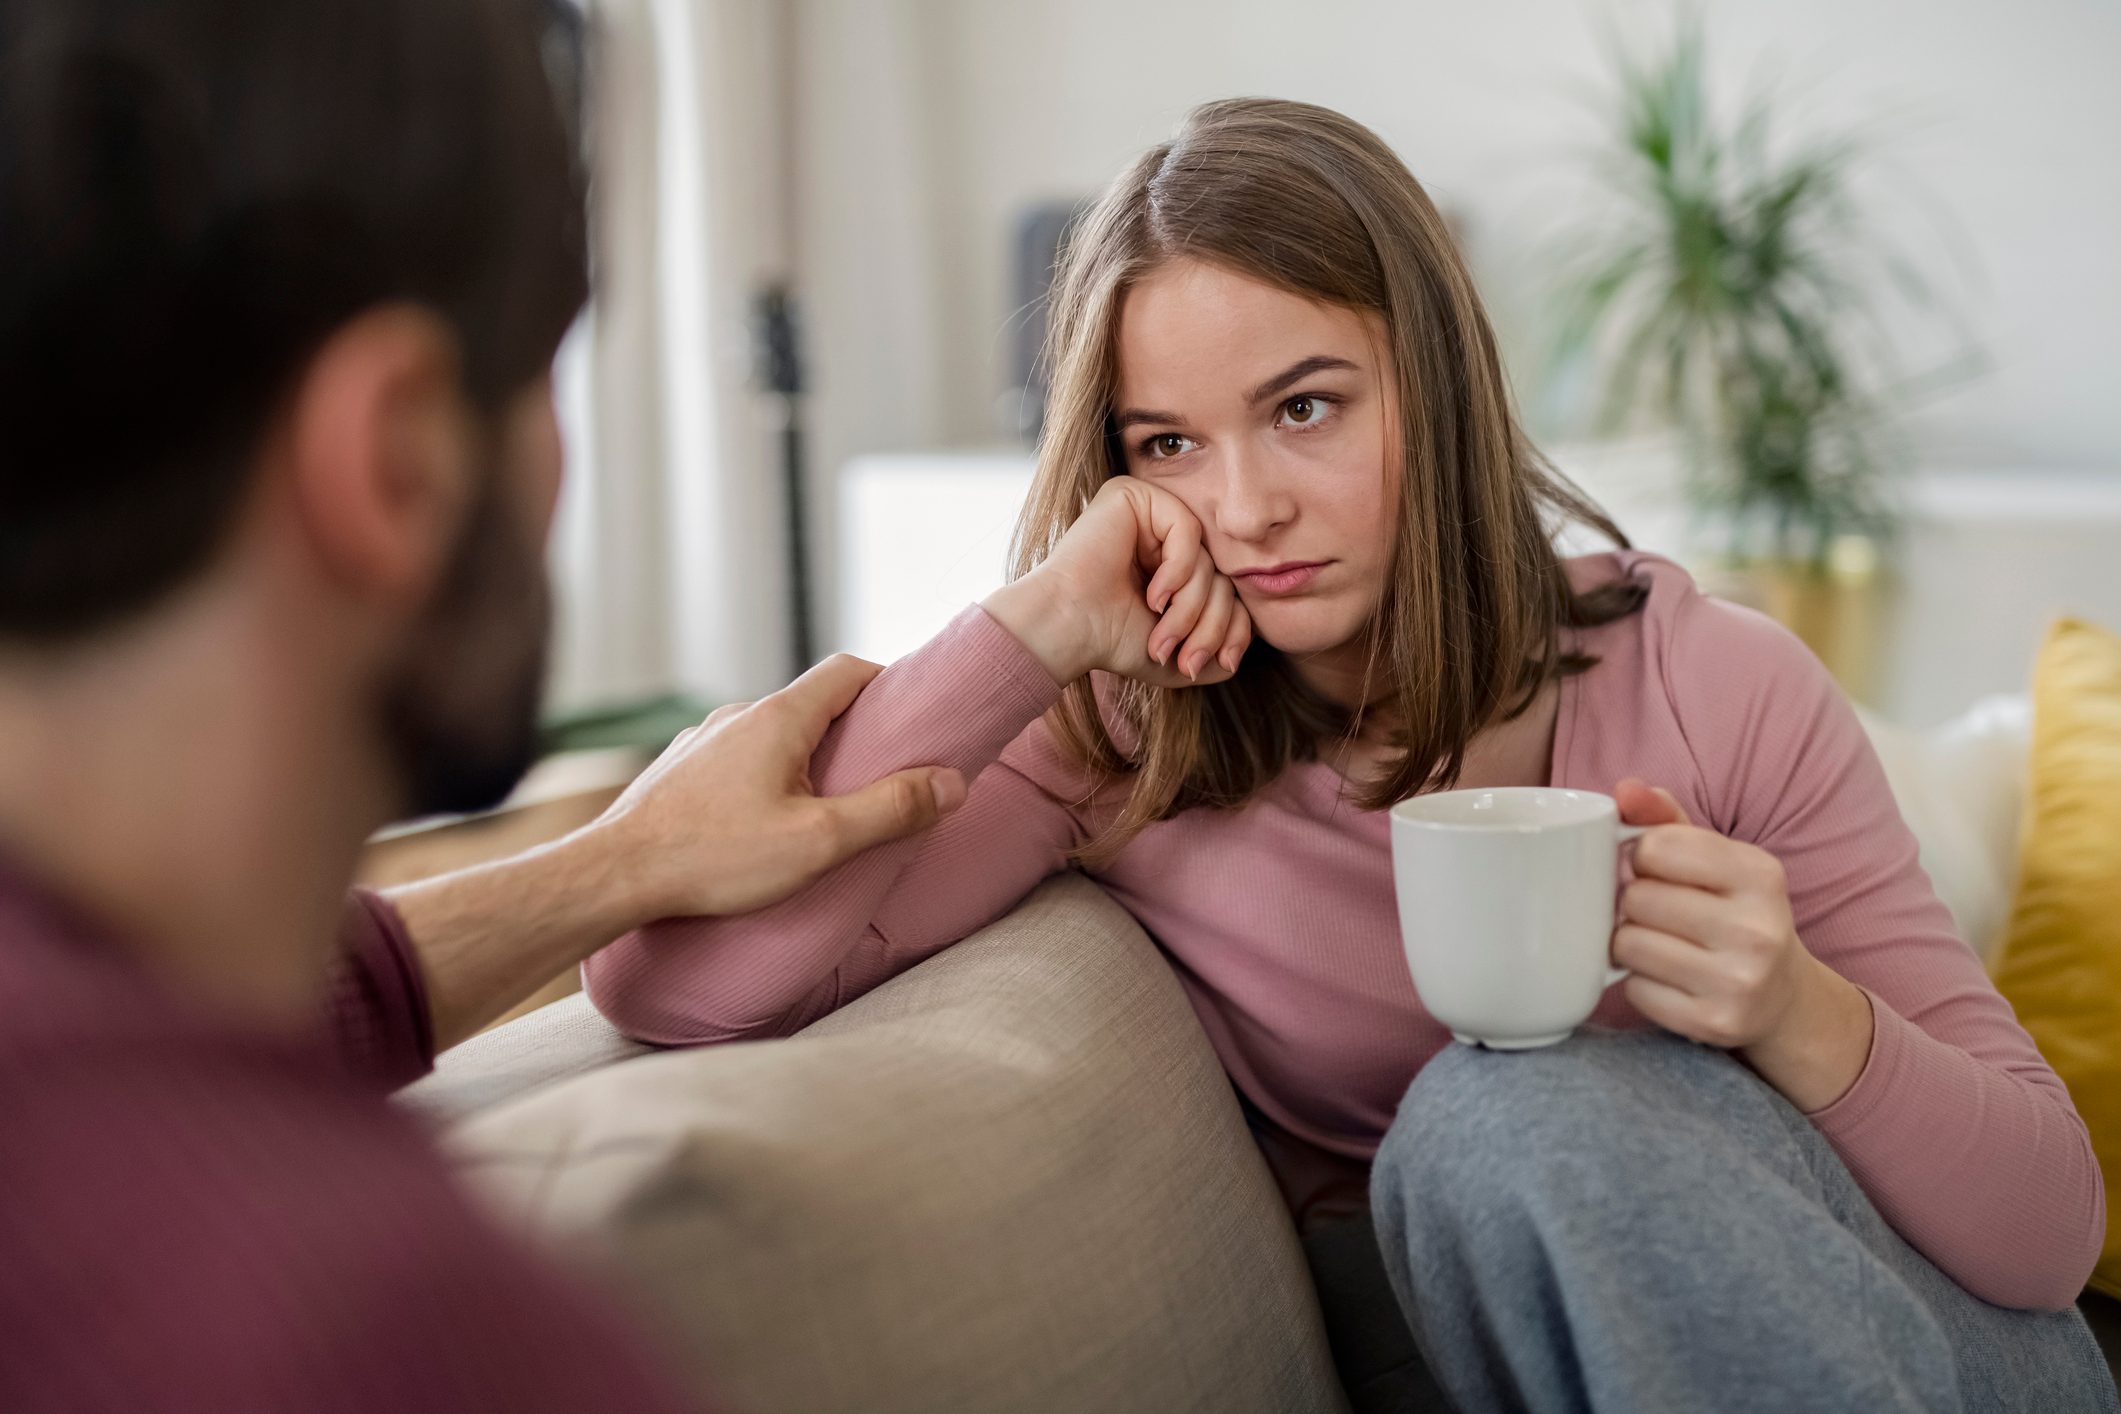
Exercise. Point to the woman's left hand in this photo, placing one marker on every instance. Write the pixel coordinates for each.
(1706, 929)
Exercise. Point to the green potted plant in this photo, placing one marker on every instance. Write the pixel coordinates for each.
(1730, 290)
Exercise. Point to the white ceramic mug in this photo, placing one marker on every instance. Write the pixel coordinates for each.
(1506, 907)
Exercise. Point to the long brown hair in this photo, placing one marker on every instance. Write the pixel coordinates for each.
(1471, 622)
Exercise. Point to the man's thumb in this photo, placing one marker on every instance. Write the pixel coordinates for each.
(896, 806)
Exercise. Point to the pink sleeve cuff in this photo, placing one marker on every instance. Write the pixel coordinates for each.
(985, 638)
(958, 701)
(378, 1015)
(1873, 1082)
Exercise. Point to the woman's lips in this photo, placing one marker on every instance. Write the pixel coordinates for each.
(1281, 579)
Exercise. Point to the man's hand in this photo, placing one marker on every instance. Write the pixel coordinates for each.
(726, 820)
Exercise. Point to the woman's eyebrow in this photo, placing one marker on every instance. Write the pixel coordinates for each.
(1133, 417)
(1295, 373)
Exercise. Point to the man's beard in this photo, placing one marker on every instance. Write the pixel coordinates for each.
(460, 715)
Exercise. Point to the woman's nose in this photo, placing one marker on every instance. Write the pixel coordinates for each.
(1251, 503)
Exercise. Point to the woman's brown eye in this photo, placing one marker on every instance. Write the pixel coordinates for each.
(1170, 445)
(1301, 410)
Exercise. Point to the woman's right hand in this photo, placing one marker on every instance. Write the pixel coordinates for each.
(1130, 589)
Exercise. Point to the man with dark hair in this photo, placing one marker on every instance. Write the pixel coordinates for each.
(280, 289)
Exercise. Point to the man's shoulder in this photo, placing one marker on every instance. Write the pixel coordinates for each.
(120, 1121)
(200, 1221)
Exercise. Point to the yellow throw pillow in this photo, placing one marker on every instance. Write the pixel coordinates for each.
(2061, 962)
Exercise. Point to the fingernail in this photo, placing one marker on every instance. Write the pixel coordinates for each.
(1229, 660)
(1190, 664)
(1158, 651)
(949, 789)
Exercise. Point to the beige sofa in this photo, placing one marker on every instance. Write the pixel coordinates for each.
(1013, 1179)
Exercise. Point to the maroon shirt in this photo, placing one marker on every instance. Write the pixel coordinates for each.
(193, 1217)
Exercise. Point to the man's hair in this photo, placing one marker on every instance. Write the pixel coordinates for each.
(194, 195)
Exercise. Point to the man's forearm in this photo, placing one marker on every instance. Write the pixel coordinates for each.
(489, 936)
(723, 822)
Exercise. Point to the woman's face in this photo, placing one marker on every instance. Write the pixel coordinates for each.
(1271, 417)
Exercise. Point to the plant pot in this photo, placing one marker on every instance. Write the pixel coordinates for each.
(1840, 607)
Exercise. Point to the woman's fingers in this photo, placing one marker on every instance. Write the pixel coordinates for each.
(1185, 611)
(1173, 540)
(1691, 855)
(1644, 804)
(1201, 623)
(1666, 1005)
(1662, 957)
(1209, 634)
(1679, 909)
(1239, 637)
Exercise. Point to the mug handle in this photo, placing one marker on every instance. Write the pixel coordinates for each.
(1628, 835)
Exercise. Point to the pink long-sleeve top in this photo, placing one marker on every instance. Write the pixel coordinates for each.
(1280, 920)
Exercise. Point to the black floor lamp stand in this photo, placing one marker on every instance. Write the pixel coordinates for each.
(781, 375)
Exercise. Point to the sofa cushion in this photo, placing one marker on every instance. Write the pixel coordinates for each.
(1014, 1178)
(569, 1037)
(2061, 964)
(1959, 787)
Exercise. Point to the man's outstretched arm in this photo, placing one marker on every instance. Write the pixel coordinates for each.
(724, 822)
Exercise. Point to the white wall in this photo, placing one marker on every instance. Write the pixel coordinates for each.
(928, 125)
(875, 303)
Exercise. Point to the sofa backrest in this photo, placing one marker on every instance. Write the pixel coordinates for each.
(1013, 1179)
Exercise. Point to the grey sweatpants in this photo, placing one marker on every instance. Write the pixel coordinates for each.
(1629, 1221)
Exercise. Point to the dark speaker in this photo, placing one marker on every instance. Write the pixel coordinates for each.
(1041, 234)
(563, 39)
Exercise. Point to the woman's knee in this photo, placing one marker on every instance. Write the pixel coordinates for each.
(1470, 1088)
(1467, 1124)
(1493, 1122)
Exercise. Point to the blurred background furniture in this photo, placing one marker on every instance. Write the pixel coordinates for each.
(1013, 1178)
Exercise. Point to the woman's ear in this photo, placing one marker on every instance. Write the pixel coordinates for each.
(381, 449)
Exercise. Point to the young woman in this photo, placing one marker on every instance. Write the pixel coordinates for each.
(1289, 560)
